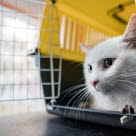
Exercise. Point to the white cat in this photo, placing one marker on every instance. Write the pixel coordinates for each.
(110, 70)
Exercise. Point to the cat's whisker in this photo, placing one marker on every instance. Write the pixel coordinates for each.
(73, 87)
(73, 105)
(119, 101)
(127, 82)
(121, 75)
(132, 88)
(82, 101)
(134, 92)
(80, 96)
(106, 84)
(113, 79)
(78, 65)
(73, 98)
(87, 98)
(69, 93)
(114, 92)
(75, 92)
(126, 99)
(76, 101)
(69, 90)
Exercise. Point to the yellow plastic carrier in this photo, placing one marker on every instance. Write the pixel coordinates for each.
(83, 21)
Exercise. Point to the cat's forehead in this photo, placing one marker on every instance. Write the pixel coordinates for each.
(106, 49)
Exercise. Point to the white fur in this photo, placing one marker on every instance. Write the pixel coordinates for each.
(114, 98)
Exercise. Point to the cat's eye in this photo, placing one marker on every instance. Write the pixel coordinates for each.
(89, 68)
(108, 62)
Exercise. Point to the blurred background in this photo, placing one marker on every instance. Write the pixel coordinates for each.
(19, 31)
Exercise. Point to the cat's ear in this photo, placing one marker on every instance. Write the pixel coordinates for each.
(130, 33)
(85, 48)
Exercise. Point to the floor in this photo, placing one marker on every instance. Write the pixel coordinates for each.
(44, 124)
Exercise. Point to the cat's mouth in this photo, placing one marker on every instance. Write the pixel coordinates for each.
(98, 89)
(104, 90)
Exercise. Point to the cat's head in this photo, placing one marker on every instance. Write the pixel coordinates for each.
(109, 66)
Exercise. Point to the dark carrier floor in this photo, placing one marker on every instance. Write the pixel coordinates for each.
(44, 124)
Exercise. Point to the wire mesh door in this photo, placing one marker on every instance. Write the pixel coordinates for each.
(20, 30)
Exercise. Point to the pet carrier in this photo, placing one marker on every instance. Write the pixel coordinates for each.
(60, 27)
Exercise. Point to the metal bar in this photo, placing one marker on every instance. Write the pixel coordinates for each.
(1, 41)
(38, 2)
(35, 83)
(46, 70)
(45, 30)
(51, 57)
(25, 14)
(39, 67)
(14, 52)
(60, 61)
(30, 42)
(56, 83)
(8, 5)
(39, 59)
(6, 100)
(26, 56)
(54, 57)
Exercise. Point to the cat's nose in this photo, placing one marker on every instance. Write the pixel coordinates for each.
(94, 83)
